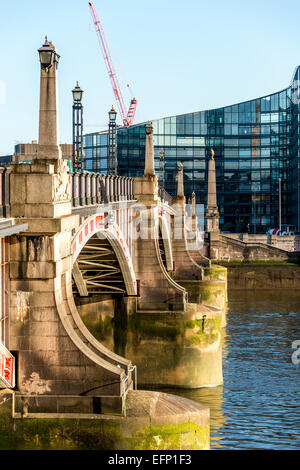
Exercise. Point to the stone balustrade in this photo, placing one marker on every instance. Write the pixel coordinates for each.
(94, 188)
(5, 192)
(87, 189)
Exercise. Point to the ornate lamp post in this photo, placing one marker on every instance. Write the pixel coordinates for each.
(48, 55)
(112, 142)
(77, 157)
(48, 123)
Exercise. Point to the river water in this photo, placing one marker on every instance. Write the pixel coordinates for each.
(258, 406)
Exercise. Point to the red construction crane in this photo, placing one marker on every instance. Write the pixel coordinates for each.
(129, 117)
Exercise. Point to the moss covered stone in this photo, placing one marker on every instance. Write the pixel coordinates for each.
(178, 424)
(176, 437)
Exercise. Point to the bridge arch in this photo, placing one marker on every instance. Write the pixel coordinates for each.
(115, 370)
(165, 243)
(94, 237)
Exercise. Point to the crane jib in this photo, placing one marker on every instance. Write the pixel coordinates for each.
(129, 117)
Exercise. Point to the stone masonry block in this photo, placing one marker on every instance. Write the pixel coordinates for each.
(41, 314)
(39, 188)
(44, 328)
(28, 285)
(32, 270)
(43, 343)
(19, 343)
(17, 189)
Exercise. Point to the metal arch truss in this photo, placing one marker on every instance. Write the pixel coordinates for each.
(164, 243)
(97, 269)
(162, 250)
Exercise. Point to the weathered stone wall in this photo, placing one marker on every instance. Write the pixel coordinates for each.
(263, 277)
(223, 247)
(287, 242)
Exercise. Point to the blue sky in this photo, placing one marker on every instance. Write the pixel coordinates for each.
(178, 57)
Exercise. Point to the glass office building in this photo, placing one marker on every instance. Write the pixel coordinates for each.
(256, 146)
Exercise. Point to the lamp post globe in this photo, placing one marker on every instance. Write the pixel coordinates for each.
(77, 94)
(112, 114)
(47, 55)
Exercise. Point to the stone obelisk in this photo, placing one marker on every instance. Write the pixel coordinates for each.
(48, 145)
(212, 212)
(146, 187)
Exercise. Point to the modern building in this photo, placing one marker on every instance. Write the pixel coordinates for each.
(27, 152)
(4, 159)
(256, 146)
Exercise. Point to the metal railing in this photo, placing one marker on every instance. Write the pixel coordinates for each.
(95, 188)
(68, 406)
(76, 406)
(125, 389)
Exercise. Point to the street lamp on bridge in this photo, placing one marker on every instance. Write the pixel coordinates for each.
(48, 55)
(112, 142)
(77, 156)
(48, 143)
(162, 171)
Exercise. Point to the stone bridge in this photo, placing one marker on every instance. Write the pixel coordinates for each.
(91, 236)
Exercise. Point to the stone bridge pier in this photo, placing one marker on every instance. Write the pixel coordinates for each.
(57, 355)
(158, 291)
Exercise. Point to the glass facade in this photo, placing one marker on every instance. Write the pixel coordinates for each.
(256, 144)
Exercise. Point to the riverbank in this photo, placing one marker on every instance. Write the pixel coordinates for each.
(262, 275)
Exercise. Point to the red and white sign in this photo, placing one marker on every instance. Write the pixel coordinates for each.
(91, 226)
(7, 368)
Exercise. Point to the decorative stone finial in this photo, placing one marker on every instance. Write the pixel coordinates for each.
(194, 202)
(212, 212)
(149, 128)
(149, 157)
(180, 187)
(194, 217)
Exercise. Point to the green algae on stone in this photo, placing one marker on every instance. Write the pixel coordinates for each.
(172, 437)
(158, 326)
(59, 434)
(88, 434)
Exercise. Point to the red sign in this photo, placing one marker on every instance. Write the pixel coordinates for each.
(7, 368)
(86, 231)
